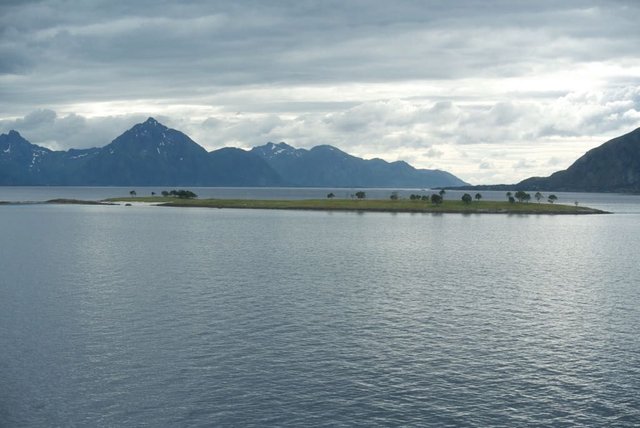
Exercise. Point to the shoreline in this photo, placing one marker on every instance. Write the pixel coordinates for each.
(371, 205)
(342, 205)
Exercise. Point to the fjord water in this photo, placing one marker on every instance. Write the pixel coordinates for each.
(150, 316)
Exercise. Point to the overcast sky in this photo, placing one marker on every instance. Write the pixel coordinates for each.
(492, 91)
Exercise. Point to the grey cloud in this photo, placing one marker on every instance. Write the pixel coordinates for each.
(239, 130)
(523, 164)
(434, 153)
(36, 119)
(13, 60)
(552, 130)
(47, 128)
(554, 161)
(132, 49)
(486, 165)
(212, 123)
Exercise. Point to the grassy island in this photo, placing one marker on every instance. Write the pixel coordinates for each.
(377, 205)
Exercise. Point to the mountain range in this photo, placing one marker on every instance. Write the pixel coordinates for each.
(152, 154)
(327, 166)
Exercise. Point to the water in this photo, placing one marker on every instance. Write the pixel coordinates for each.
(151, 316)
(34, 193)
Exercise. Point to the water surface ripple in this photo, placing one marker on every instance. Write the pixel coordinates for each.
(146, 316)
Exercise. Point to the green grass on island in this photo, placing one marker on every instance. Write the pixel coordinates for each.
(379, 205)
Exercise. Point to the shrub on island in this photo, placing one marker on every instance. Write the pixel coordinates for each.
(182, 194)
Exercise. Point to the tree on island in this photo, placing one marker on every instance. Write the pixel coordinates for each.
(394, 196)
(512, 200)
(466, 198)
(132, 193)
(441, 193)
(331, 196)
(521, 196)
(478, 197)
(361, 195)
(509, 195)
(538, 196)
(552, 198)
(164, 193)
(436, 199)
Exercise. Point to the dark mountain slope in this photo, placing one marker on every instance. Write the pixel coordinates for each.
(148, 154)
(20, 161)
(612, 167)
(235, 167)
(327, 166)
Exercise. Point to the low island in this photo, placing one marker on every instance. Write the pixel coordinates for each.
(375, 205)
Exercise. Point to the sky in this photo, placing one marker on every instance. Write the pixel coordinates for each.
(491, 91)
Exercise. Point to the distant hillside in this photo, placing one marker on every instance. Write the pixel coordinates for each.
(327, 166)
(230, 166)
(612, 167)
(150, 154)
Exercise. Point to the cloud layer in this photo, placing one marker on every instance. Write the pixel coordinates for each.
(491, 91)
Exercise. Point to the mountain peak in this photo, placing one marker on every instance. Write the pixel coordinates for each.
(149, 127)
(280, 146)
(152, 140)
(14, 136)
(327, 148)
(151, 122)
(270, 150)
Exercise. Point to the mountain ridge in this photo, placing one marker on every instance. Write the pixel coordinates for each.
(328, 166)
(149, 153)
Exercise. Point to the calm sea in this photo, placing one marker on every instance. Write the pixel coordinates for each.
(152, 316)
